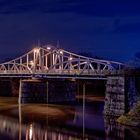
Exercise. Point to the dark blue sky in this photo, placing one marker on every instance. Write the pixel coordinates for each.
(105, 28)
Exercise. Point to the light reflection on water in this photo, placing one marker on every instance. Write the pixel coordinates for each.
(61, 122)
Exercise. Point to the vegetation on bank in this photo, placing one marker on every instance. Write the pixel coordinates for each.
(132, 118)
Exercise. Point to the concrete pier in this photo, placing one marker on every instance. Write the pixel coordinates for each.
(121, 95)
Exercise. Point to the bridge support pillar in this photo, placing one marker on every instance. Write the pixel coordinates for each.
(41, 91)
(121, 95)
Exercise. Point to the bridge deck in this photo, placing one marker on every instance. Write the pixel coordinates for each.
(53, 76)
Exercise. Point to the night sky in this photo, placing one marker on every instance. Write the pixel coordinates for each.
(106, 28)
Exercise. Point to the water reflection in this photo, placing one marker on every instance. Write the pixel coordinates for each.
(60, 122)
(29, 133)
(33, 131)
(113, 129)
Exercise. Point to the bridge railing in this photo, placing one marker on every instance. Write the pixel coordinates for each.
(81, 72)
(67, 72)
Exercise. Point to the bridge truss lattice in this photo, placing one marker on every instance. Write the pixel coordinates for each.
(51, 60)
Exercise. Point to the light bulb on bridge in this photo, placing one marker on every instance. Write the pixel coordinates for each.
(36, 50)
(61, 52)
(31, 63)
(48, 48)
(70, 58)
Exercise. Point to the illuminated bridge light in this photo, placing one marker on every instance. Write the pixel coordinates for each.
(70, 58)
(61, 52)
(36, 50)
(48, 48)
(31, 63)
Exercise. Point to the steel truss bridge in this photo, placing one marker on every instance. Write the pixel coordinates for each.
(49, 61)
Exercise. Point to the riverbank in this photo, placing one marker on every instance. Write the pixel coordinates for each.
(132, 118)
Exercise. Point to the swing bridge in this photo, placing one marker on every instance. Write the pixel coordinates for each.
(52, 62)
